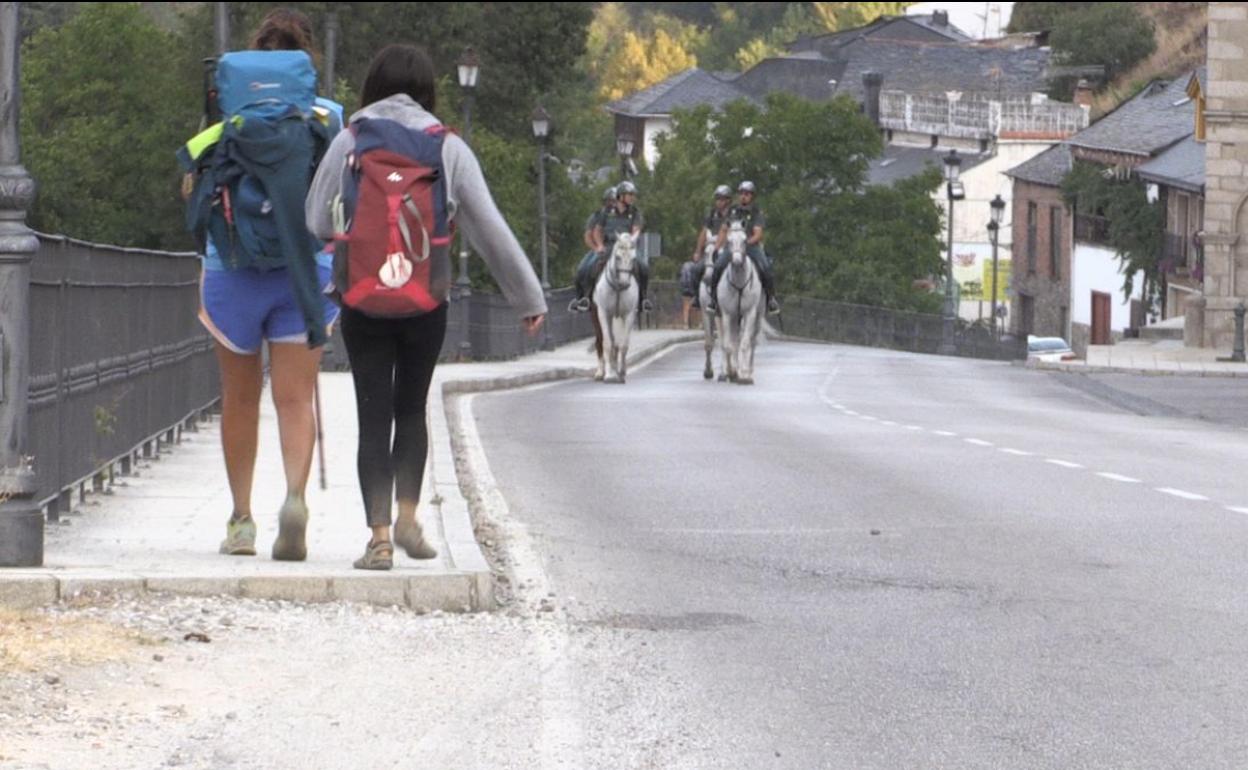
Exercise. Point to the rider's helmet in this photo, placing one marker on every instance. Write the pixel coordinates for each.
(626, 188)
(723, 191)
(608, 195)
(747, 186)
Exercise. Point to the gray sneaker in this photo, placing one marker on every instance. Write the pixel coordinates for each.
(240, 537)
(292, 527)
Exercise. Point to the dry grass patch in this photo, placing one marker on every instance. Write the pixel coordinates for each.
(33, 641)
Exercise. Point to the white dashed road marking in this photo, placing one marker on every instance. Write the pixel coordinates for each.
(1181, 494)
(1118, 477)
(1064, 463)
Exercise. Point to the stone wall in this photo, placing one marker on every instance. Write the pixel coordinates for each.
(1226, 153)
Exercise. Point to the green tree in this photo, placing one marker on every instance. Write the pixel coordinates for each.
(834, 17)
(33, 17)
(1041, 17)
(1136, 227)
(510, 169)
(1114, 35)
(528, 51)
(832, 236)
(104, 109)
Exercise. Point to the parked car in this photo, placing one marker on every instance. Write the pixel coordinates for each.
(1048, 349)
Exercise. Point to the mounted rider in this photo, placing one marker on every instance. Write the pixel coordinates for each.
(621, 217)
(591, 257)
(691, 271)
(753, 221)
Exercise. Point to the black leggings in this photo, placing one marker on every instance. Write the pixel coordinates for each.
(392, 361)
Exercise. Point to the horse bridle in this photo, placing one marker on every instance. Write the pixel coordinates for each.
(741, 289)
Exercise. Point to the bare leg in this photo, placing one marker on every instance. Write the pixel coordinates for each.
(294, 369)
(242, 377)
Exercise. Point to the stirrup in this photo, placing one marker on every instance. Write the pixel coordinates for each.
(647, 306)
(773, 306)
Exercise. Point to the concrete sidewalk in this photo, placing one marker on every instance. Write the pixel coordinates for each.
(1157, 357)
(158, 530)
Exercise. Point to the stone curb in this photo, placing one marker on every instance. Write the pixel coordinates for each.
(1052, 366)
(455, 592)
(468, 587)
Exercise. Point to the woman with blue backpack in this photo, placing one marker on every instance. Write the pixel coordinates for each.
(263, 277)
(390, 192)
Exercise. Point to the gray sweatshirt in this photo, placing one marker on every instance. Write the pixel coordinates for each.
(469, 202)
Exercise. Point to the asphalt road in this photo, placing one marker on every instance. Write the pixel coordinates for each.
(873, 559)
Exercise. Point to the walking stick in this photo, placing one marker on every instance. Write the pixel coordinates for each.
(320, 434)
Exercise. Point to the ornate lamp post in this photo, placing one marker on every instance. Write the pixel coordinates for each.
(469, 69)
(994, 225)
(541, 130)
(21, 520)
(953, 191)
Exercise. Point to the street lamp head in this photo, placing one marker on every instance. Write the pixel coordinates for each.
(953, 164)
(541, 122)
(469, 68)
(624, 145)
(998, 209)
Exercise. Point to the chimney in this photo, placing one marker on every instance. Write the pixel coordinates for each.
(1083, 93)
(872, 82)
(940, 18)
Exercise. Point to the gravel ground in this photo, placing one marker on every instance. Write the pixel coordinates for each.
(228, 683)
(543, 682)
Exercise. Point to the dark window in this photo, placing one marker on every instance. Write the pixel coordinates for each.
(1031, 238)
(1055, 242)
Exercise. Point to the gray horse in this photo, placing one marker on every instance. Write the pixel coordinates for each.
(740, 310)
(614, 308)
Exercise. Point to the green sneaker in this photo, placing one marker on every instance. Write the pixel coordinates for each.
(292, 527)
(240, 537)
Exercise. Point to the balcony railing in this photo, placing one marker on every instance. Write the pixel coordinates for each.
(1092, 229)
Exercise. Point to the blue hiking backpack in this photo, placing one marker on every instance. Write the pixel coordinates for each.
(255, 167)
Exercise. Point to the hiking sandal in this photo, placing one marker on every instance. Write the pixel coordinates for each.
(377, 556)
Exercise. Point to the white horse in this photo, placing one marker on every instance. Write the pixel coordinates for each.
(704, 300)
(740, 310)
(614, 308)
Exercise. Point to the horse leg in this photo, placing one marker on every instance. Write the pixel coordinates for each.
(622, 343)
(708, 333)
(601, 373)
(748, 328)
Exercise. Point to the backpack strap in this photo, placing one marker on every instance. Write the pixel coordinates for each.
(405, 230)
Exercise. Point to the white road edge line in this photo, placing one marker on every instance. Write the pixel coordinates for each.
(1016, 452)
(945, 433)
(561, 732)
(977, 441)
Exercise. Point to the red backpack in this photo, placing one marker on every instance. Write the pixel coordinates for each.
(393, 236)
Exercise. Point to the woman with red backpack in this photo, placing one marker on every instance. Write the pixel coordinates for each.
(389, 192)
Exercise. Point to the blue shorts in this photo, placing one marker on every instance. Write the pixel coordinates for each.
(242, 308)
